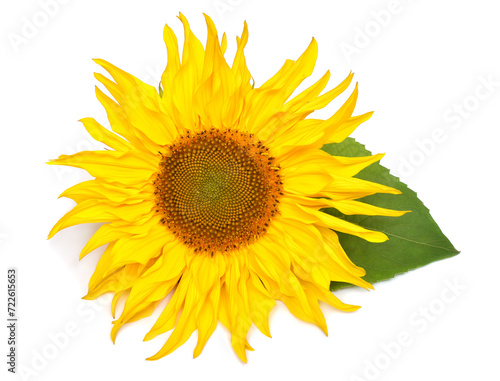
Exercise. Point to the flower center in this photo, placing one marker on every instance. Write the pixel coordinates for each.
(217, 190)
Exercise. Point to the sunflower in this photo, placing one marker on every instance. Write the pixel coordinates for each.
(213, 191)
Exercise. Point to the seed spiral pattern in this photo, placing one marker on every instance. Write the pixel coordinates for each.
(217, 189)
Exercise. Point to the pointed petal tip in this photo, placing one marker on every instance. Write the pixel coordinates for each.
(101, 62)
(208, 19)
(382, 239)
(82, 255)
(53, 232)
(399, 213)
(313, 45)
(241, 353)
(266, 332)
(210, 25)
(183, 19)
(197, 351)
(149, 336)
(156, 356)
(321, 325)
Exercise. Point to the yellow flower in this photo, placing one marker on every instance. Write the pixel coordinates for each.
(214, 191)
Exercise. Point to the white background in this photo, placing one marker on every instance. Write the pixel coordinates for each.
(416, 68)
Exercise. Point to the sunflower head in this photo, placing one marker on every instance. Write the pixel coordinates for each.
(213, 193)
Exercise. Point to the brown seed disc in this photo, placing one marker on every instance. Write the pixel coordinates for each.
(217, 190)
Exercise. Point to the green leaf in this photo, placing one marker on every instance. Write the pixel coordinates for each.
(415, 239)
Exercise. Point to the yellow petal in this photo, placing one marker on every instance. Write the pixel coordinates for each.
(206, 318)
(141, 104)
(348, 207)
(108, 192)
(105, 136)
(138, 248)
(322, 161)
(307, 95)
(242, 75)
(184, 327)
(311, 216)
(173, 60)
(119, 121)
(168, 317)
(91, 212)
(125, 168)
(293, 73)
